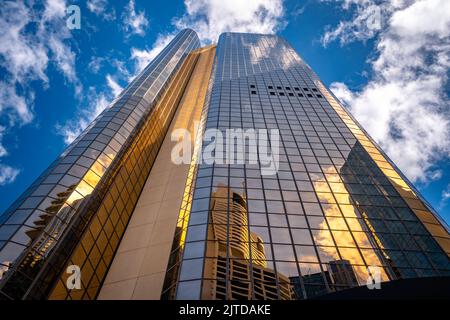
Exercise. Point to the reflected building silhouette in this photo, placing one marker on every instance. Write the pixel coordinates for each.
(336, 208)
(49, 226)
(395, 232)
(342, 274)
(339, 275)
(240, 270)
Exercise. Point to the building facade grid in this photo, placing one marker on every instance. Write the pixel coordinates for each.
(328, 215)
(335, 215)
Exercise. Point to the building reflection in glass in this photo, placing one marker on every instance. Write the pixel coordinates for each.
(335, 216)
(241, 270)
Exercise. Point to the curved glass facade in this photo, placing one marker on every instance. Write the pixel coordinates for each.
(76, 211)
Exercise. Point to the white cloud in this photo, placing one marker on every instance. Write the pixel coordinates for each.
(446, 193)
(134, 22)
(116, 89)
(445, 197)
(14, 106)
(25, 57)
(54, 9)
(22, 55)
(100, 8)
(3, 151)
(97, 98)
(63, 57)
(143, 57)
(365, 24)
(95, 64)
(97, 101)
(7, 174)
(405, 106)
(209, 18)
(54, 35)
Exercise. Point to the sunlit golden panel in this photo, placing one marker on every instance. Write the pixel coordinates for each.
(423, 213)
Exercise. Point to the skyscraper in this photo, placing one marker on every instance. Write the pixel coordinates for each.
(117, 211)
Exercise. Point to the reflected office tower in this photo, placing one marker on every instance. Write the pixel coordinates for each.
(230, 243)
(138, 224)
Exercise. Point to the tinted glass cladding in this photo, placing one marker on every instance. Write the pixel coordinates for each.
(336, 214)
(79, 207)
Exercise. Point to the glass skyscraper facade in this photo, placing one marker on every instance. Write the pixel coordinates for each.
(335, 214)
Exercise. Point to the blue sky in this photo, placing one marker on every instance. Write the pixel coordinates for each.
(388, 61)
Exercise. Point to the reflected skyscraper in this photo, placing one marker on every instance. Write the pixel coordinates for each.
(140, 226)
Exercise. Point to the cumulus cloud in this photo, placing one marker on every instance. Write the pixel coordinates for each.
(366, 22)
(135, 22)
(25, 57)
(209, 18)
(405, 106)
(100, 8)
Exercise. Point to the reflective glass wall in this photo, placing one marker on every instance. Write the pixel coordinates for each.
(76, 211)
(335, 215)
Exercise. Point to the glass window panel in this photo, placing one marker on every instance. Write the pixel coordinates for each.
(316, 222)
(280, 235)
(343, 238)
(297, 221)
(277, 220)
(327, 254)
(301, 236)
(306, 254)
(283, 252)
(294, 208)
(275, 207)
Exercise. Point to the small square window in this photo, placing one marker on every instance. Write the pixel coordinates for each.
(314, 89)
(252, 86)
(272, 93)
(279, 88)
(300, 95)
(270, 87)
(306, 89)
(281, 93)
(310, 95)
(291, 94)
(253, 92)
(296, 88)
(288, 88)
(319, 96)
